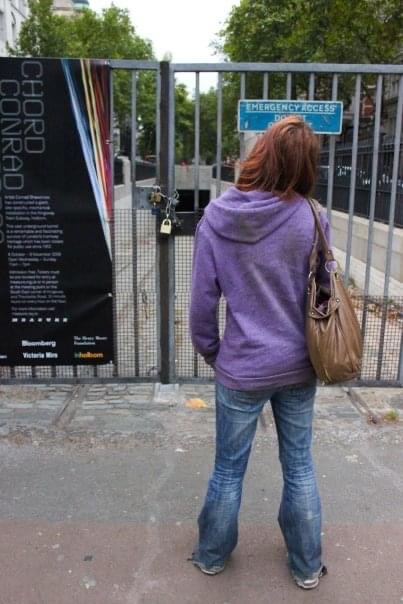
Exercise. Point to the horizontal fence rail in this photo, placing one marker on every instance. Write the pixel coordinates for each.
(288, 67)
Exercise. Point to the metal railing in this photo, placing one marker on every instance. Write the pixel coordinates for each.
(381, 316)
(342, 178)
(151, 274)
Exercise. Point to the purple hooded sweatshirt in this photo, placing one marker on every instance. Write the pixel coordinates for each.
(253, 248)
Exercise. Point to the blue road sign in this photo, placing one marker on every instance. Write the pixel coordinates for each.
(324, 117)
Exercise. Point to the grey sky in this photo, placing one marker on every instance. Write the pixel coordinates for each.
(184, 28)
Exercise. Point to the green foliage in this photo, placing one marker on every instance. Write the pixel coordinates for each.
(301, 31)
(340, 31)
(43, 34)
(109, 35)
(392, 416)
(184, 117)
(362, 31)
(208, 124)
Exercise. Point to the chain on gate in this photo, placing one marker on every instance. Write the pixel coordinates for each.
(158, 200)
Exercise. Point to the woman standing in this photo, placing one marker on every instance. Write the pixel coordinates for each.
(252, 246)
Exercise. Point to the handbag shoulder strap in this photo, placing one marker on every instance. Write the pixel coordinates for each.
(328, 254)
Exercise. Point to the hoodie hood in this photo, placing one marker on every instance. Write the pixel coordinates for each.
(248, 216)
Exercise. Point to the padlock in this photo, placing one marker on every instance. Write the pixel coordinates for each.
(166, 227)
(155, 197)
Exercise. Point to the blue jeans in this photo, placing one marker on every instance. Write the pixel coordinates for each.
(299, 516)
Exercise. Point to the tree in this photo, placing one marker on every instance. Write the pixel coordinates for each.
(208, 125)
(43, 34)
(340, 31)
(302, 31)
(109, 35)
(184, 112)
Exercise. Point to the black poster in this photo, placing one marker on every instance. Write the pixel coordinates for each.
(55, 212)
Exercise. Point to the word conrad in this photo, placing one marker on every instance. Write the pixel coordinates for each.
(22, 124)
(45, 354)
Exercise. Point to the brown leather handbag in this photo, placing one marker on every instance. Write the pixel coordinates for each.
(333, 333)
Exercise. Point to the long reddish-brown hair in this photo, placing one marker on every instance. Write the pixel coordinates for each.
(283, 160)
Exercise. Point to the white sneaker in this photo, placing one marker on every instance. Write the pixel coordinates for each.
(313, 581)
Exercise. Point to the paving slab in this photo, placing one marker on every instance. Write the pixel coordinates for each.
(379, 406)
(147, 412)
(35, 406)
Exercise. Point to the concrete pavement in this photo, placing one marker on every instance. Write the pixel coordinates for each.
(101, 486)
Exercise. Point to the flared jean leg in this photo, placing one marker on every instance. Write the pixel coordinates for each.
(300, 509)
(236, 419)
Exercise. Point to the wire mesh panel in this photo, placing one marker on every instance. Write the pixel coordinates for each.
(382, 324)
(383, 330)
(135, 316)
(189, 364)
(135, 313)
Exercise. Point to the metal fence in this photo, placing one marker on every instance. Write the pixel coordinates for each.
(363, 181)
(376, 169)
(151, 273)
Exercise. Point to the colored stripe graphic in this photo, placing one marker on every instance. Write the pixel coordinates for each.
(92, 120)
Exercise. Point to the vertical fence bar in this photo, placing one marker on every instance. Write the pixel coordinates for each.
(393, 191)
(374, 186)
(353, 175)
(400, 369)
(265, 85)
(113, 233)
(133, 151)
(167, 243)
(171, 133)
(331, 161)
(133, 139)
(219, 134)
(392, 208)
(157, 280)
(197, 143)
(289, 86)
(157, 123)
(374, 182)
(311, 92)
(242, 134)
(196, 182)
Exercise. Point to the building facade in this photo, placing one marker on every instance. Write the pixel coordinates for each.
(64, 8)
(67, 8)
(12, 15)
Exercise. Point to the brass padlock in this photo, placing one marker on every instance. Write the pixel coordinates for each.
(166, 227)
(155, 197)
